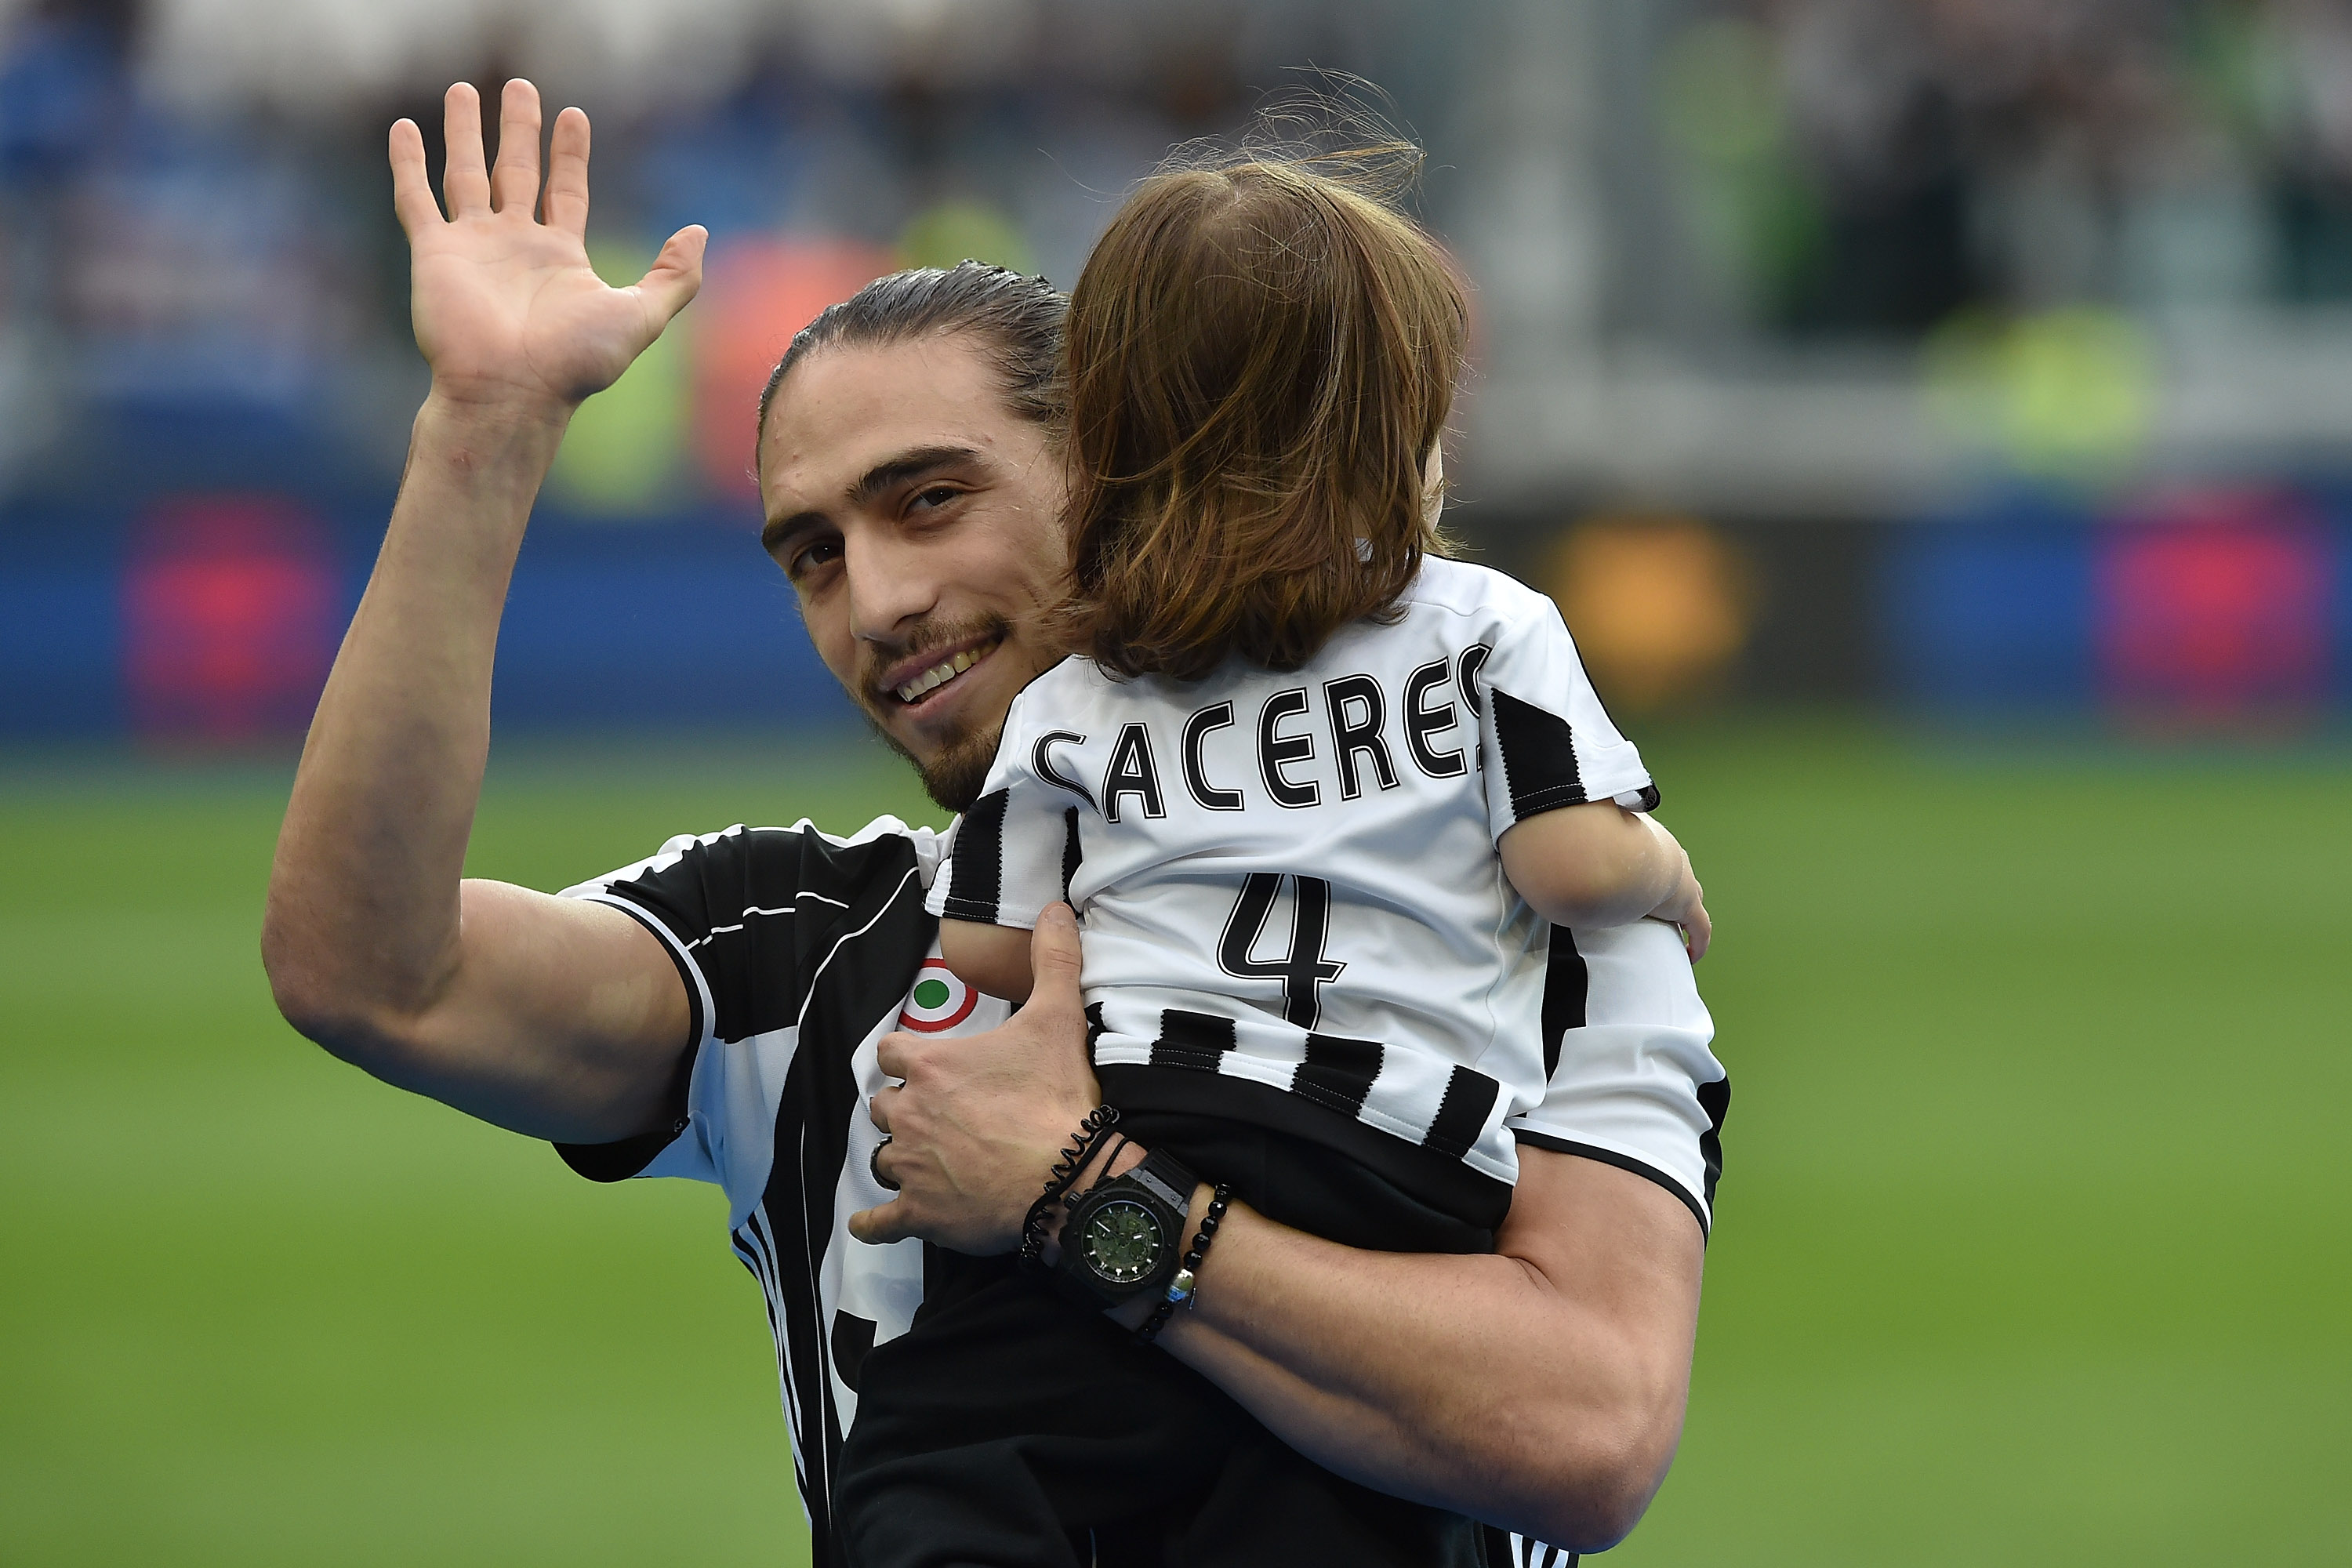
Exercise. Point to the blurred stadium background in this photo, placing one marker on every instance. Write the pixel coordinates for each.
(1935, 417)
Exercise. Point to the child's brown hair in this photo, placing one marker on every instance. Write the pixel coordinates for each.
(1261, 358)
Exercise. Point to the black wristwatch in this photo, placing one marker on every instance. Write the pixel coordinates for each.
(1123, 1238)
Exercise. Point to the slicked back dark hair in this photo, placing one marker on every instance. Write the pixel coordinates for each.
(1020, 319)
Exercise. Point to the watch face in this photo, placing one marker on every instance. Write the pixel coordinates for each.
(1122, 1242)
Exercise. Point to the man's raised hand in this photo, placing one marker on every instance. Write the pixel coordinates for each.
(508, 311)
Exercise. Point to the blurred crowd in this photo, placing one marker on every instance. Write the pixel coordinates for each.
(206, 374)
(193, 214)
(1858, 164)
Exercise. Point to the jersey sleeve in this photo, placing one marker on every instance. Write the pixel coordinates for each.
(1548, 740)
(745, 915)
(1632, 1077)
(1011, 853)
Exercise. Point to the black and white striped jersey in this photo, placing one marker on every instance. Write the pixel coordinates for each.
(1294, 913)
(800, 951)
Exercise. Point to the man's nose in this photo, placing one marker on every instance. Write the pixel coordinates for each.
(889, 586)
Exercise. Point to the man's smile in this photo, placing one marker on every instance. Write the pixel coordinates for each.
(916, 682)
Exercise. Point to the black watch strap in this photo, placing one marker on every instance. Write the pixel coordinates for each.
(1170, 1180)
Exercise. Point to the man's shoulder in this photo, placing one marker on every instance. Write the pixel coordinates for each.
(759, 862)
(754, 917)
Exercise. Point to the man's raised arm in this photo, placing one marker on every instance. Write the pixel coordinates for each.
(552, 1017)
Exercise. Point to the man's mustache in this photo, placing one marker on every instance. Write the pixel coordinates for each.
(876, 659)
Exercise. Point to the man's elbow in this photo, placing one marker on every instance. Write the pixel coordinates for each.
(322, 1001)
(1592, 1504)
(1584, 1477)
(306, 999)
(1603, 1512)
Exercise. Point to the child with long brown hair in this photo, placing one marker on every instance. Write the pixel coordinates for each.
(1319, 794)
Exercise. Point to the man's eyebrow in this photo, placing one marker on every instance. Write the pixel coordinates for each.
(776, 529)
(906, 466)
(912, 464)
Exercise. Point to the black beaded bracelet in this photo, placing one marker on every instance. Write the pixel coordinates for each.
(1057, 1190)
(1065, 1171)
(1186, 1286)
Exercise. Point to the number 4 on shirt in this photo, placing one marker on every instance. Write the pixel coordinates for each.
(1304, 970)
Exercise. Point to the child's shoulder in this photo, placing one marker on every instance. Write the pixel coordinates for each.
(1074, 677)
(1465, 588)
(1056, 696)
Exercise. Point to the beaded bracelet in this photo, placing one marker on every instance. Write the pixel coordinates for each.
(1057, 1181)
(1185, 1289)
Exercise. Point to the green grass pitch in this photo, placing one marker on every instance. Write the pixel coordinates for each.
(2035, 1246)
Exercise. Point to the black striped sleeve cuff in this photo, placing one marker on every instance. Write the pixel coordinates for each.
(1538, 751)
(975, 869)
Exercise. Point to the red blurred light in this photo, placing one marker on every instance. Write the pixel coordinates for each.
(757, 292)
(2215, 608)
(230, 615)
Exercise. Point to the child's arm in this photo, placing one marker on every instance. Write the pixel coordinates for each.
(1601, 864)
(994, 958)
(1009, 859)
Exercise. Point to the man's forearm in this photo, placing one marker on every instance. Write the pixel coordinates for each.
(364, 902)
(1540, 1388)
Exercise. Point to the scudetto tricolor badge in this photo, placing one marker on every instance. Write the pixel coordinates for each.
(938, 1000)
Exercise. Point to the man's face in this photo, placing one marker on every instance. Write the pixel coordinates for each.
(919, 520)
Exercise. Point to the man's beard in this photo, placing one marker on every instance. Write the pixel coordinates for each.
(953, 778)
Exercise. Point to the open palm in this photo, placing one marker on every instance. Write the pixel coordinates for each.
(505, 306)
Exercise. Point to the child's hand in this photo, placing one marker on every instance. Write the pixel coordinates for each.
(1686, 908)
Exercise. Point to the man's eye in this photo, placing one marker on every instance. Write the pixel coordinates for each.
(936, 496)
(810, 557)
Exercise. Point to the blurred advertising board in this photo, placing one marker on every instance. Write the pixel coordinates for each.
(2203, 608)
(212, 620)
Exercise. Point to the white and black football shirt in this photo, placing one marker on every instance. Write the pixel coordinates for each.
(799, 950)
(1292, 898)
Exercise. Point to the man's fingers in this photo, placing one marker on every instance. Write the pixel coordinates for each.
(567, 173)
(882, 1225)
(464, 178)
(1053, 957)
(514, 182)
(676, 275)
(883, 1150)
(877, 1110)
(411, 186)
(890, 1052)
